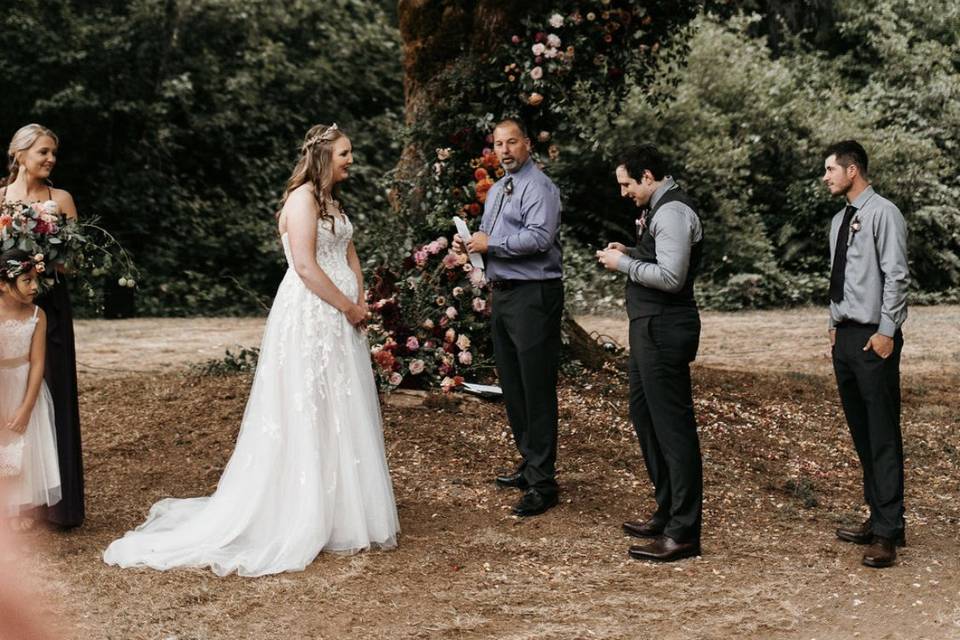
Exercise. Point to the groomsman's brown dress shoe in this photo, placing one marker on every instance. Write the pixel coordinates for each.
(882, 553)
(864, 535)
(665, 549)
(649, 529)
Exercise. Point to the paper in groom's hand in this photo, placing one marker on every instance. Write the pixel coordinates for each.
(464, 232)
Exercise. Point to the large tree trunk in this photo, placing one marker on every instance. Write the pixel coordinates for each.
(438, 34)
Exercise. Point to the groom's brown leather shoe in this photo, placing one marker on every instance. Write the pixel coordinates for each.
(864, 535)
(665, 549)
(882, 553)
(649, 529)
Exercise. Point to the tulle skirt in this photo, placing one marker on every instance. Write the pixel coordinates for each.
(38, 482)
(309, 470)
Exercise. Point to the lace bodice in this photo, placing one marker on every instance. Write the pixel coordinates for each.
(332, 242)
(17, 335)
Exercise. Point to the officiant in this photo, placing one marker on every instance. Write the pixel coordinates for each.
(519, 236)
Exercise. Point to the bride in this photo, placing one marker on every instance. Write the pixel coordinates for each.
(309, 472)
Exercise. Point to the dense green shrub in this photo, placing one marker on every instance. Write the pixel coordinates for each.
(180, 122)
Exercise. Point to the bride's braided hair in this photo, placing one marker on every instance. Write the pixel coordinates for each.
(316, 167)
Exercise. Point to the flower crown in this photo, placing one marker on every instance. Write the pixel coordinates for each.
(328, 134)
(13, 269)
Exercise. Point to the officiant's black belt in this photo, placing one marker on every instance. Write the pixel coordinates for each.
(850, 324)
(503, 285)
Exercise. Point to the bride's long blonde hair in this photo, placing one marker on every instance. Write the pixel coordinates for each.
(23, 139)
(316, 167)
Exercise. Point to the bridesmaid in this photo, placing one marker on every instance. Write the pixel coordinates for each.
(32, 155)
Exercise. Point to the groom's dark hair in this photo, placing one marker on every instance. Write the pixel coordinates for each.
(849, 152)
(644, 157)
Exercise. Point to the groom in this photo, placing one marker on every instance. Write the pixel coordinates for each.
(519, 234)
(664, 336)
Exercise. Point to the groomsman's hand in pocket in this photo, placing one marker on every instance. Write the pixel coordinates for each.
(882, 345)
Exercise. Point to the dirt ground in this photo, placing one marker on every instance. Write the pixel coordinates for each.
(780, 475)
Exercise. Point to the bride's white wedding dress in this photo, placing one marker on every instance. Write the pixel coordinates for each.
(309, 472)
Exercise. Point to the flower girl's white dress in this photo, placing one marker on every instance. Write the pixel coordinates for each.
(309, 471)
(38, 482)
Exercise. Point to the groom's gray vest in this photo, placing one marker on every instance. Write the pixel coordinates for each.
(647, 301)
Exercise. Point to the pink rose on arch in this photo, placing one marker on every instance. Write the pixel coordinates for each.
(444, 321)
(463, 342)
(451, 313)
(457, 292)
(412, 343)
(450, 335)
(465, 358)
(420, 257)
(416, 367)
(477, 279)
(450, 260)
(429, 344)
(445, 369)
(553, 41)
(433, 248)
(427, 324)
(395, 378)
(538, 49)
(479, 304)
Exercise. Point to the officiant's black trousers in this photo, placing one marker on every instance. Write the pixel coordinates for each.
(870, 393)
(661, 409)
(525, 320)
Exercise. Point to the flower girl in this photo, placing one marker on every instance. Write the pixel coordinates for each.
(28, 450)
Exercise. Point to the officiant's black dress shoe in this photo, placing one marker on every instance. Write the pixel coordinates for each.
(882, 553)
(649, 529)
(512, 481)
(665, 549)
(534, 503)
(864, 535)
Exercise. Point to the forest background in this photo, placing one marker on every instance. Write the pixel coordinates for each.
(180, 122)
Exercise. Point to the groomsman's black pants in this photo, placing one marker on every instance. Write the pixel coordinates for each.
(870, 393)
(526, 319)
(661, 409)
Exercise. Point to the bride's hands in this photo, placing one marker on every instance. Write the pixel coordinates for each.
(356, 314)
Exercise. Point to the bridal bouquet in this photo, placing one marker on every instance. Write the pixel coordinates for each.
(59, 243)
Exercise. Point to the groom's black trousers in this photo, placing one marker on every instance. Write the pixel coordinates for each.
(661, 409)
(526, 319)
(870, 393)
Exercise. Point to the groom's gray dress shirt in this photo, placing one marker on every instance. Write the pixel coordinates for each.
(523, 225)
(876, 276)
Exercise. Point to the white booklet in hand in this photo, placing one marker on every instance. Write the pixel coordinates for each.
(464, 232)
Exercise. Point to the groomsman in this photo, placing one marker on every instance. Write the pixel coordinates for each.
(664, 336)
(868, 304)
(519, 234)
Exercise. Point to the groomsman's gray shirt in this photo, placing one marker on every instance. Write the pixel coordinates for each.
(523, 227)
(676, 228)
(876, 276)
